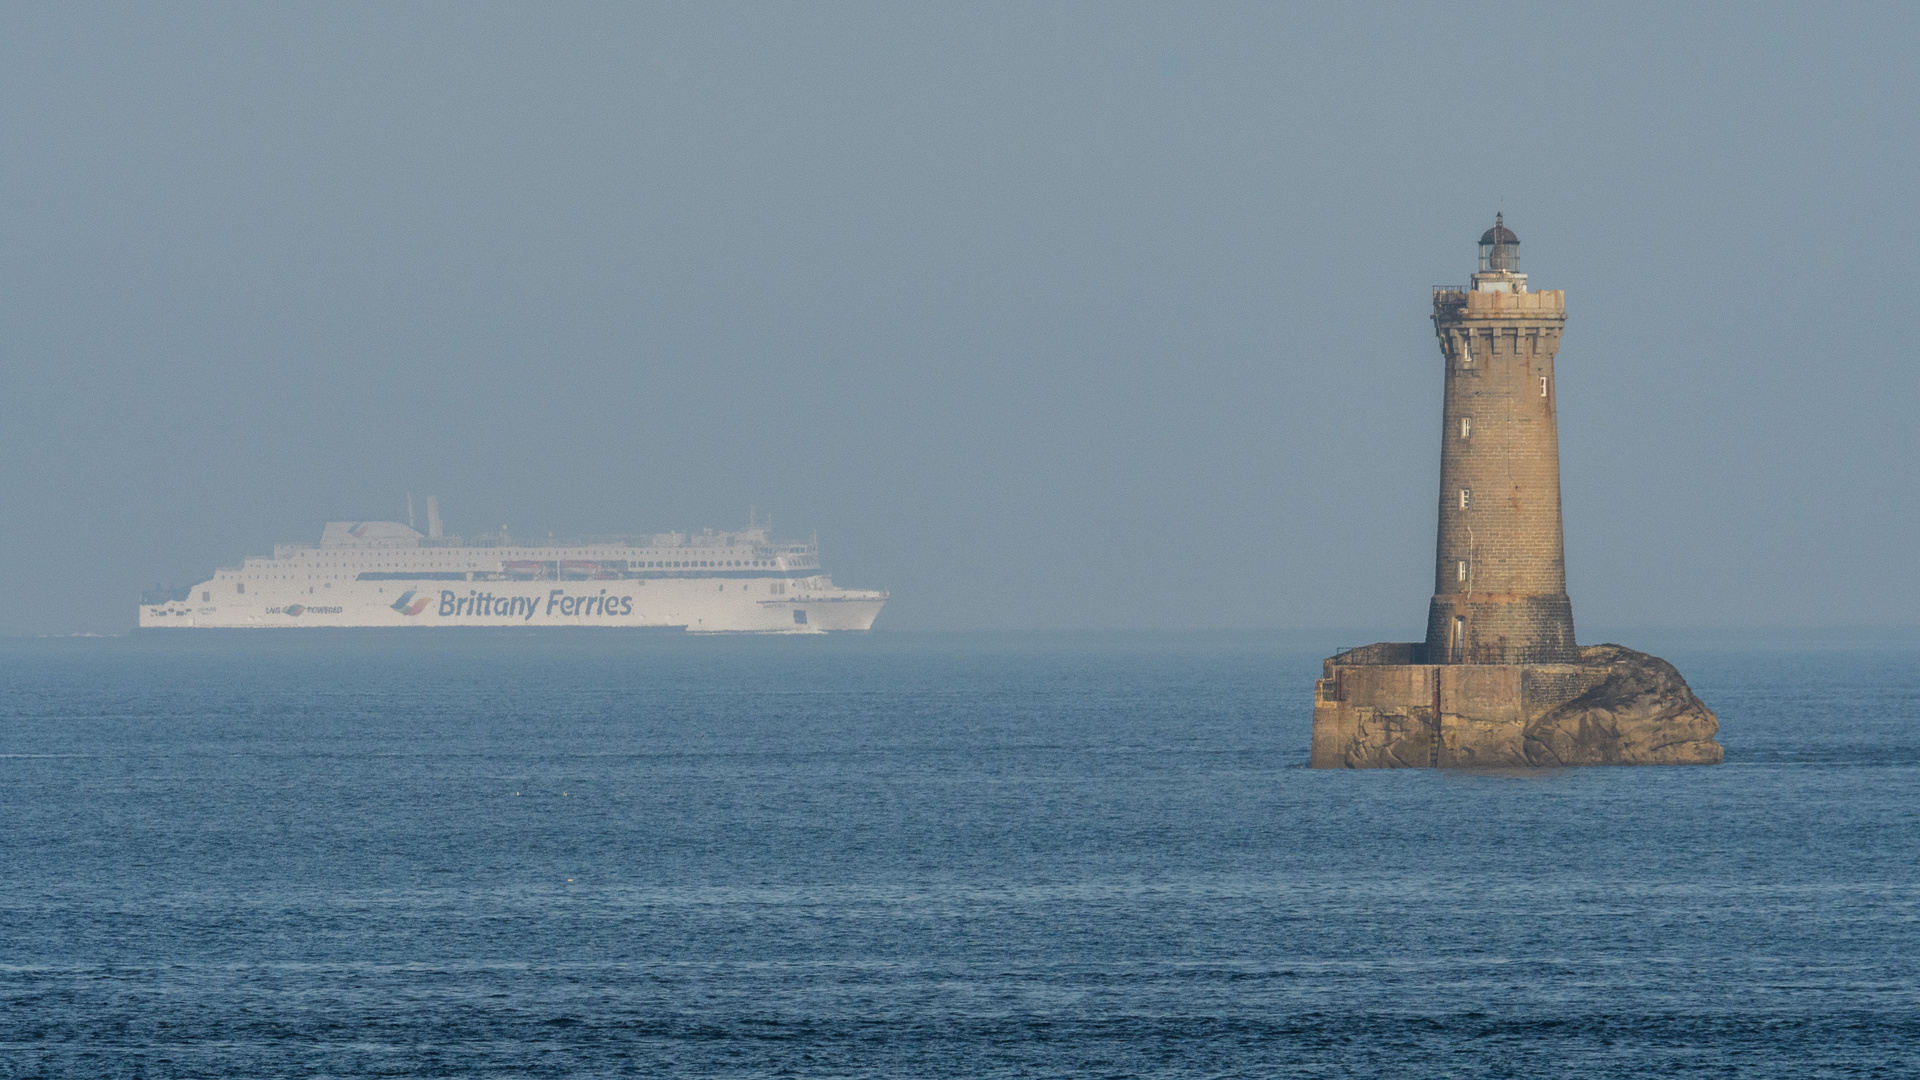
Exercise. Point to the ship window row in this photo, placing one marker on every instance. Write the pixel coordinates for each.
(647, 564)
(638, 564)
(476, 565)
(715, 562)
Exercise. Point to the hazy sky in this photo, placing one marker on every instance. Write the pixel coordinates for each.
(1039, 314)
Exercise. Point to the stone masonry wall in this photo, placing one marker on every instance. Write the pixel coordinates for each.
(1504, 629)
(1500, 559)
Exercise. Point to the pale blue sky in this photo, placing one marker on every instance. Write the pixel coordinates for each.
(1046, 315)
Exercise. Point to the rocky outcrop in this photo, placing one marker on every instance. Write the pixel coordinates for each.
(1641, 713)
(1373, 709)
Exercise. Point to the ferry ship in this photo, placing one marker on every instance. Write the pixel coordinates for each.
(383, 573)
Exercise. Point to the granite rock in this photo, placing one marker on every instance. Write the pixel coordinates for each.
(1641, 713)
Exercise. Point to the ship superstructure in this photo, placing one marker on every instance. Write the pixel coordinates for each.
(383, 573)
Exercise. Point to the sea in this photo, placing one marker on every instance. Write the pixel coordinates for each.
(514, 854)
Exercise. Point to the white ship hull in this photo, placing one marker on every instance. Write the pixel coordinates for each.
(382, 574)
(694, 606)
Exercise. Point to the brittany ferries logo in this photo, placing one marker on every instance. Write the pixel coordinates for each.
(359, 529)
(411, 602)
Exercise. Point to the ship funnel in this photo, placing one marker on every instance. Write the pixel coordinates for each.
(433, 518)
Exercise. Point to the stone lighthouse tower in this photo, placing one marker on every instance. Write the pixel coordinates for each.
(1500, 578)
(1499, 682)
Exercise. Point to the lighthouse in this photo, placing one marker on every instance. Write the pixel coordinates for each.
(1499, 682)
(1500, 573)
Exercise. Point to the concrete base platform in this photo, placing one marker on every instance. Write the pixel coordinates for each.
(1383, 707)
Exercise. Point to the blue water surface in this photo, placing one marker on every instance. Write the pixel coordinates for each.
(895, 855)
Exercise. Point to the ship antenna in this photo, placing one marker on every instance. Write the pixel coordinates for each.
(409, 509)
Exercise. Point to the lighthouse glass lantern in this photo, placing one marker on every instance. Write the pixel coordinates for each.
(1499, 249)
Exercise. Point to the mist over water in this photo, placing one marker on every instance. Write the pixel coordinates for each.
(1107, 316)
(922, 855)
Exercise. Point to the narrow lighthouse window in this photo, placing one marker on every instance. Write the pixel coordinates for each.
(1543, 386)
(1466, 498)
(1462, 564)
(1466, 428)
